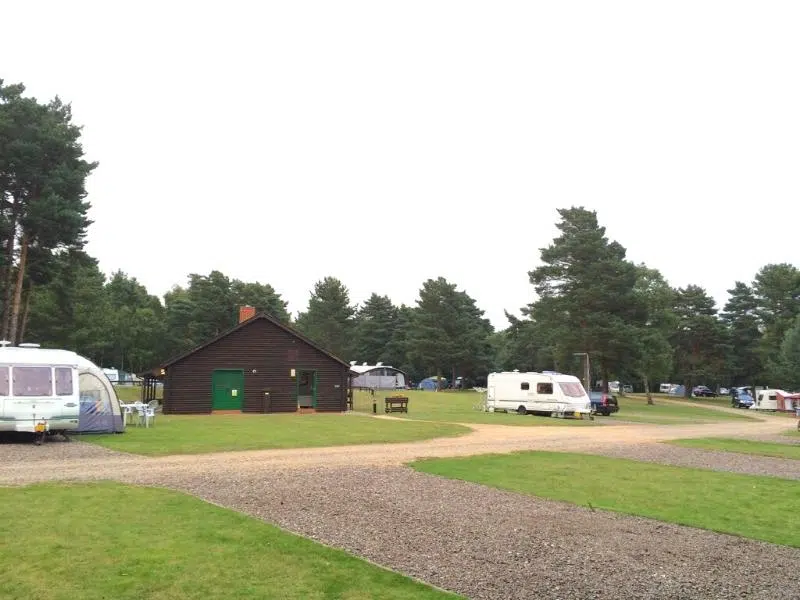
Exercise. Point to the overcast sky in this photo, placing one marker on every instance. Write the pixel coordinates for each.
(385, 143)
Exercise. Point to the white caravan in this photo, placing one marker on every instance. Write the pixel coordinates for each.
(546, 392)
(38, 389)
(773, 400)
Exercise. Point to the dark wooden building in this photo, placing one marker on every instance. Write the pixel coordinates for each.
(259, 366)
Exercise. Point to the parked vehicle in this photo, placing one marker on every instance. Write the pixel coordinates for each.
(741, 398)
(702, 391)
(603, 404)
(665, 388)
(39, 391)
(544, 393)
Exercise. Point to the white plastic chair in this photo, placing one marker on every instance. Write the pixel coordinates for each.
(127, 412)
(149, 413)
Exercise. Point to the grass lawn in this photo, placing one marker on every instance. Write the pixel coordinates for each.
(741, 446)
(455, 407)
(763, 508)
(178, 547)
(634, 408)
(192, 434)
(133, 393)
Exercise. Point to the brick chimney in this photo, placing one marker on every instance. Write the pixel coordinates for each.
(246, 312)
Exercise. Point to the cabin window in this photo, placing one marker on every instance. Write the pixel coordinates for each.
(33, 381)
(524, 385)
(4, 391)
(544, 389)
(63, 381)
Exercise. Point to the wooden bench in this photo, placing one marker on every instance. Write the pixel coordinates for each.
(396, 404)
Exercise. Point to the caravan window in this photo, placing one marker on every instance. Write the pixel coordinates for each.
(544, 388)
(573, 390)
(4, 391)
(33, 381)
(524, 385)
(63, 381)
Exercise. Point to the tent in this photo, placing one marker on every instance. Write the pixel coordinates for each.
(429, 383)
(787, 401)
(100, 411)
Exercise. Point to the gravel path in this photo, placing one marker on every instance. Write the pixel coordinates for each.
(491, 544)
(669, 454)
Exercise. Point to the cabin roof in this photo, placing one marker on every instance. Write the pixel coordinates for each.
(260, 316)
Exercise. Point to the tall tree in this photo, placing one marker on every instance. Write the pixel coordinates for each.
(376, 323)
(42, 189)
(740, 316)
(261, 296)
(777, 291)
(136, 324)
(520, 346)
(586, 294)
(329, 319)
(71, 311)
(448, 333)
(655, 356)
(787, 365)
(213, 307)
(699, 339)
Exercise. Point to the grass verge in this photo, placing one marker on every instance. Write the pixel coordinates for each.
(762, 508)
(741, 446)
(175, 547)
(178, 434)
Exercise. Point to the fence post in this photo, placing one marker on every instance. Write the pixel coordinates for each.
(374, 407)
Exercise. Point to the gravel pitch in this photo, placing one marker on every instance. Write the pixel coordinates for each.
(716, 460)
(13, 451)
(491, 544)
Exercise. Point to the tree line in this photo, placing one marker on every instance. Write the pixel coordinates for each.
(588, 298)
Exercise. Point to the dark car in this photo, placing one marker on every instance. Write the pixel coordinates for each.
(603, 404)
(702, 391)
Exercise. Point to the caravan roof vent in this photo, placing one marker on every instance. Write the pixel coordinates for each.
(379, 364)
(516, 370)
(352, 362)
(29, 345)
(4, 343)
(364, 364)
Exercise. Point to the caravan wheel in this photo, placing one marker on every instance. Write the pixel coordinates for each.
(522, 410)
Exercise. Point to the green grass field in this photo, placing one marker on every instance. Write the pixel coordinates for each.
(459, 407)
(634, 408)
(741, 446)
(763, 508)
(178, 434)
(66, 542)
(455, 407)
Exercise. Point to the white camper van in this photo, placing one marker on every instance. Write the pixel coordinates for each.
(38, 390)
(546, 392)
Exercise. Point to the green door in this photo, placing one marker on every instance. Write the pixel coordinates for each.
(227, 389)
(306, 388)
